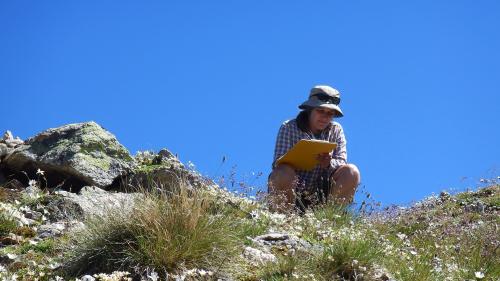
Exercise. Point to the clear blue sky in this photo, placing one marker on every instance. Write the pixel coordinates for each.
(420, 81)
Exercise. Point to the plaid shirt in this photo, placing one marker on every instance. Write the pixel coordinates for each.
(289, 134)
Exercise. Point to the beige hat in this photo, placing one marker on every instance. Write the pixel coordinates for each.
(323, 96)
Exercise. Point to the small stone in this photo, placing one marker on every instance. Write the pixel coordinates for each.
(50, 230)
(7, 259)
(444, 195)
(8, 136)
(87, 278)
(284, 241)
(14, 142)
(480, 207)
(34, 215)
(11, 239)
(165, 153)
(257, 256)
(273, 237)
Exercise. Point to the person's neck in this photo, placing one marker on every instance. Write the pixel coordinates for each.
(315, 131)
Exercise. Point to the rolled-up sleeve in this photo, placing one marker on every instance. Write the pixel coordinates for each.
(339, 155)
(284, 142)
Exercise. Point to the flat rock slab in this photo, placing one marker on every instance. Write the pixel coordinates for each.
(94, 201)
(259, 257)
(284, 241)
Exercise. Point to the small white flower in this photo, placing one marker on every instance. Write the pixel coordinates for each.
(32, 183)
(191, 165)
(479, 275)
(153, 276)
(54, 266)
(11, 256)
(401, 236)
(254, 214)
(40, 172)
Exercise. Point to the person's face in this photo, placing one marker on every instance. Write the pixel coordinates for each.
(320, 118)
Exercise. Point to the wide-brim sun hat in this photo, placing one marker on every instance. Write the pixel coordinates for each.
(323, 96)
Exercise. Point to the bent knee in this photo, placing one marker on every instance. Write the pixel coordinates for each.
(282, 173)
(284, 169)
(348, 170)
(353, 170)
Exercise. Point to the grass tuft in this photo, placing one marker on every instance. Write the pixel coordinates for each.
(347, 258)
(165, 231)
(7, 224)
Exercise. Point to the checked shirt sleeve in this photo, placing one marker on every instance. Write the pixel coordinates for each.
(284, 141)
(339, 156)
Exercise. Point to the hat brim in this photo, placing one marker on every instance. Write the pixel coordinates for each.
(312, 103)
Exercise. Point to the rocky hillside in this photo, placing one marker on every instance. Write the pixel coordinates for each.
(75, 205)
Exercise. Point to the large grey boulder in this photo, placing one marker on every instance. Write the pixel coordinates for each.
(4, 151)
(2, 178)
(72, 156)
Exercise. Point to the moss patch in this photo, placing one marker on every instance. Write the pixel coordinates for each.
(102, 162)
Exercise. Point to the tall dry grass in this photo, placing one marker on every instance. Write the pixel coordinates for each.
(165, 230)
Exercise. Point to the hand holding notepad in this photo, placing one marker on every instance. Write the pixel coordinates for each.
(303, 155)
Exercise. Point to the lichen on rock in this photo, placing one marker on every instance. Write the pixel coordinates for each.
(161, 170)
(73, 155)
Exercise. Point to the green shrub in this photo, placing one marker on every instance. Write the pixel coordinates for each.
(337, 214)
(47, 246)
(25, 231)
(282, 270)
(7, 224)
(345, 257)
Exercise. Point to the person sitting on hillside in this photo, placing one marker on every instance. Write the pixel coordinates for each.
(333, 177)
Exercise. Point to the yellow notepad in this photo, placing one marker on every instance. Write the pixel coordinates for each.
(303, 154)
